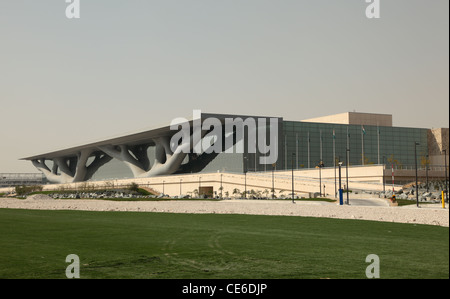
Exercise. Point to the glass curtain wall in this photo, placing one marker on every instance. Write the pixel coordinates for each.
(313, 143)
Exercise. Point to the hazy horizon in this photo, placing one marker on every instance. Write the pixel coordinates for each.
(126, 66)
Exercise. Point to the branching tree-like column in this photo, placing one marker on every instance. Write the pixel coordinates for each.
(137, 163)
(169, 161)
(72, 169)
(166, 160)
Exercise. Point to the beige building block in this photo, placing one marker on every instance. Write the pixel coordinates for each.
(355, 118)
(437, 142)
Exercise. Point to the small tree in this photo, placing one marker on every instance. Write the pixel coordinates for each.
(196, 194)
(133, 187)
(391, 160)
(273, 192)
(424, 161)
(23, 190)
(109, 185)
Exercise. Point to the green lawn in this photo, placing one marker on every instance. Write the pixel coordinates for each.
(34, 244)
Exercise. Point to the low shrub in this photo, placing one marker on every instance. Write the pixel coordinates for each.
(23, 190)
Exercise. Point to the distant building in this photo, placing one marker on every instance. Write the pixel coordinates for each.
(18, 179)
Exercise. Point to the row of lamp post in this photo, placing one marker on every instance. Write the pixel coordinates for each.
(426, 170)
(321, 165)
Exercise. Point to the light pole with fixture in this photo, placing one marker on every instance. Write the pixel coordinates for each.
(199, 185)
(273, 181)
(320, 177)
(221, 186)
(415, 161)
(426, 171)
(245, 177)
(445, 170)
(346, 171)
(341, 195)
(293, 155)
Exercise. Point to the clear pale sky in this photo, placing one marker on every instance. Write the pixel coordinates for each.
(131, 65)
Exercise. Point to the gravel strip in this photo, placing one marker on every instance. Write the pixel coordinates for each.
(427, 214)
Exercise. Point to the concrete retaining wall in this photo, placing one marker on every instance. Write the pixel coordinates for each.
(306, 182)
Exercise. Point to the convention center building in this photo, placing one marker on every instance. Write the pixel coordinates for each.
(350, 138)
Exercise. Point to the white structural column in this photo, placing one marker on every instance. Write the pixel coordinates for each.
(72, 169)
(166, 161)
(122, 153)
(168, 157)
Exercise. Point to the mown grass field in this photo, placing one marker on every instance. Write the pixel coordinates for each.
(34, 244)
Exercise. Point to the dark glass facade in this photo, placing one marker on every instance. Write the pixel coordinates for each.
(378, 145)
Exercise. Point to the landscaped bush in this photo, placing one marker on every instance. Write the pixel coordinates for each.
(133, 187)
(23, 190)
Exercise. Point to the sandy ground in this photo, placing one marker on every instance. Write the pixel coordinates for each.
(432, 214)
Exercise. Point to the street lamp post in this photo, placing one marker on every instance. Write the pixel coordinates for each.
(293, 155)
(426, 171)
(180, 186)
(320, 177)
(245, 184)
(163, 188)
(445, 170)
(245, 177)
(384, 182)
(221, 186)
(346, 171)
(415, 161)
(320, 181)
(340, 183)
(340, 176)
(273, 181)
